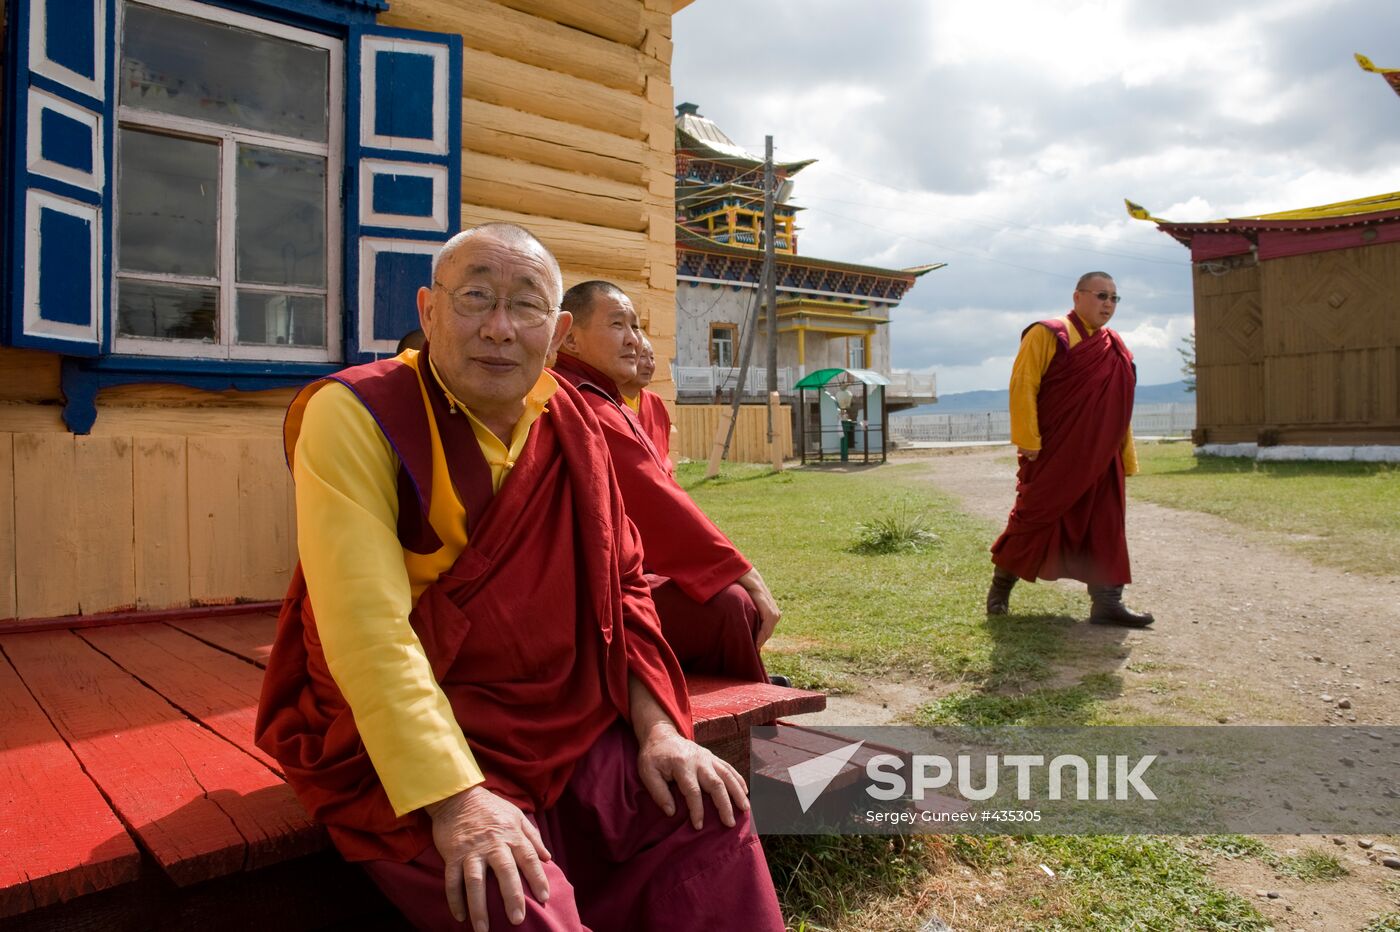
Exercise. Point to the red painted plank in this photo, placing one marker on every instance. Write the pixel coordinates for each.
(249, 636)
(721, 707)
(201, 806)
(66, 622)
(216, 689)
(58, 837)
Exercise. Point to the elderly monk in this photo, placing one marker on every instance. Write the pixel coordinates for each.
(716, 611)
(469, 685)
(1071, 420)
(650, 409)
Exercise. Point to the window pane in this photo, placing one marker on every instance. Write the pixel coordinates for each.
(281, 319)
(170, 312)
(195, 68)
(281, 217)
(169, 205)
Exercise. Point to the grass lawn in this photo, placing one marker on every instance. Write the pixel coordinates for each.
(916, 616)
(1340, 514)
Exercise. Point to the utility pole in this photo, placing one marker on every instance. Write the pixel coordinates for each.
(767, 288)
(770, 298)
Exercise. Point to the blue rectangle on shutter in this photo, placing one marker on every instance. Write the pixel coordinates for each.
(397, 278)
(403, 94)
(65, 141)
(403, 195)
(68, 35)
(65, 268)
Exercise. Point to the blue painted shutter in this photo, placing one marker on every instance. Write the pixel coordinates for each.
(59, 175)
(403, 171)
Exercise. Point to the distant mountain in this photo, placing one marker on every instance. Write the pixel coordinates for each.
(977, 402)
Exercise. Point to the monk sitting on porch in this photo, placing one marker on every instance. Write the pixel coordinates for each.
(650, 409)
(469, 686)
(716, 611)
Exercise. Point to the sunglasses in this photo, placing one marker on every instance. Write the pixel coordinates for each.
(1104, 296)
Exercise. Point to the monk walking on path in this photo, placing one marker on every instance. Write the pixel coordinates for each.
(469, 686)
(1071, 420)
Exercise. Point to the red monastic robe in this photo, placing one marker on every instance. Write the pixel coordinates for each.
(1068, 520)
(681, 542)
(656, 421)
(533, 634)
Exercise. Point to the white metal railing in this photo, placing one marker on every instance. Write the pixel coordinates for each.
(905, 384)
(706, 380)
(1152, 420)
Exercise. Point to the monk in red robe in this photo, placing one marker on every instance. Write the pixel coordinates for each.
(716, 611)
(469, 685)
(1071, 420)
(647, 405)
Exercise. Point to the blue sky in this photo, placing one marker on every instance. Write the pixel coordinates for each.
(1002, 137)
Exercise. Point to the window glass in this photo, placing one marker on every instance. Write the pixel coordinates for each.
(281, 229)
(722, 346)
(170, 312)
(208, 71)
(168, 205)
(281, 319)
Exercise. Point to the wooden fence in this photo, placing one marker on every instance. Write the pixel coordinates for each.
(696, 425)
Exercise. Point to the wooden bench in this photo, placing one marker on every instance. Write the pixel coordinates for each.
(132, 795)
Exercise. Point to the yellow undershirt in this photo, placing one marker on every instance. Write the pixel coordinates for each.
(363, 585)
(635, 402)
(1036, 353)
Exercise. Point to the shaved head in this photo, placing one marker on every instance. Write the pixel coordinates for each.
(580, 299)
(510, 235)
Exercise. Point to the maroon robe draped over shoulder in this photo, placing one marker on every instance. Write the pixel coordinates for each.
(681, 542)
(656, 421)
(533, 633)
(1068, 520)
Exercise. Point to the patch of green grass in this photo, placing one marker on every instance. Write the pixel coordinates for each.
(1073, 705)
(1234, 846)
(1139, 882)
(821, 878)
(1386, 922)
(1312, 866)
(903, 529)
(1340, 514)
(913, 616)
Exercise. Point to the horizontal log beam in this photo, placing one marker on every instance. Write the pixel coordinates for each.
(506, 184)
(618, 20)
(501, 131)
(508, 83)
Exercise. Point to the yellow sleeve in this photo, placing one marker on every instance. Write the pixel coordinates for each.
(1036, 353)
(347, 515)
(1130, 460)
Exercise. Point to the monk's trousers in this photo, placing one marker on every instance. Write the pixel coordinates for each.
(714, 638)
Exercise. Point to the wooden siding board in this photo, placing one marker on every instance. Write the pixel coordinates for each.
(161, 522)
(500, 80)
(533, 40)
(262, 514)
(7, 527)
(46, 536)
(58, 837)
(202, 807)
(29, 375)
(696, 426)
(215, 570)
(104, 513)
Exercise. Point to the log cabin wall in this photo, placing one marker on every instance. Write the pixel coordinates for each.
(180, 496)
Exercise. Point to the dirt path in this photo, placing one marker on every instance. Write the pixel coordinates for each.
(1247, 632)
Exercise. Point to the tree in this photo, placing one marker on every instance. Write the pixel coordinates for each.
(1187, 349)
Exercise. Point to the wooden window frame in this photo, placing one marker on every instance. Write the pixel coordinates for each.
(733, 330)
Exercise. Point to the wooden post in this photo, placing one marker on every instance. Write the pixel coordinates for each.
(775, 436)
(726, 420)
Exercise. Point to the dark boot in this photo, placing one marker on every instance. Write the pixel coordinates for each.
(999, 595)
(1108, 609)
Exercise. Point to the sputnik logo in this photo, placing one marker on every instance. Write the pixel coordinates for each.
(811, 778)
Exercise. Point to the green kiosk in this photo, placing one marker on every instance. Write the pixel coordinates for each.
(843, 416)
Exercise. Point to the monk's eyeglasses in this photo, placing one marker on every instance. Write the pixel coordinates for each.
(1104, 295)
(474, 303)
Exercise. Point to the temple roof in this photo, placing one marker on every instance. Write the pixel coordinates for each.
(1391, 75)
(699, 137)
(1355, 212)
(689, 239)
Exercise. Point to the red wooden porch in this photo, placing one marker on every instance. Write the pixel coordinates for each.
(132, 795)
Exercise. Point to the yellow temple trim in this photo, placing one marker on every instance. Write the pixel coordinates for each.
(1360, 206)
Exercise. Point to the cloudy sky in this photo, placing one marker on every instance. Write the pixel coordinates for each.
(1001, 137)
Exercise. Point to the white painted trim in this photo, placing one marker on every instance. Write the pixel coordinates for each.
(228, 138)
(867, 299)
(369, 47)
(40, 63)
(34, 325)
(369, 248)
(39, 101)
(372, 218)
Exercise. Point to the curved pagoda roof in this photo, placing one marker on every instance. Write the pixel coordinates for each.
(698, 137)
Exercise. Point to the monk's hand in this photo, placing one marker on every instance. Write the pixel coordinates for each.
(768, 611)
(1028, 454)
(667, 756)
(475, 830)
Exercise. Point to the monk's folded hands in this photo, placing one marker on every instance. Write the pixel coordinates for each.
(476, 830)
